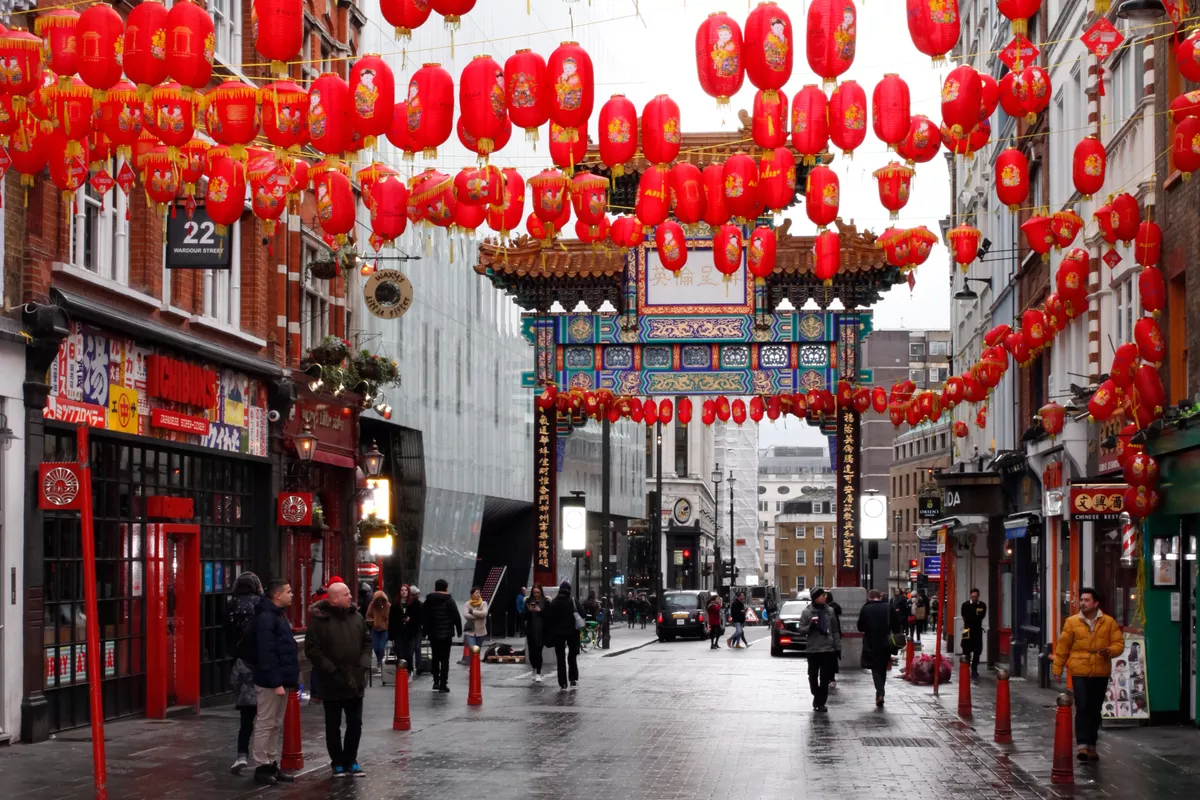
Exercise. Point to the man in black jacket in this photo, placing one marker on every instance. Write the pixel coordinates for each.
(877, 621)
(338, 644)
(560, 628)
(973, 614)
(276, 671)
(441, 622)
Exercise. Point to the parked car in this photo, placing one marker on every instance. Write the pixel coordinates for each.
(789, 630)
(681, 614)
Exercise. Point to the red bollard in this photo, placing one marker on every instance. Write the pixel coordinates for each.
(964, 688)
(1063, 770)
(475, 693)
(293, 748)
(400, 718)
(1003, 709)
(909, 655)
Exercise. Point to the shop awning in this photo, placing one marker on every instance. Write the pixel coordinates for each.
(78, 306)
(334, 459)
(1017, 526)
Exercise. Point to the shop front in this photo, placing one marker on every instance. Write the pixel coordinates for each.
(1019, 565)
(179, 454)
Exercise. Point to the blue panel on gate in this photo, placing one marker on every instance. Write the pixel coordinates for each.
(933, 566)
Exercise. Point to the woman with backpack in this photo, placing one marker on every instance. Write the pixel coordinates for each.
(240, 609)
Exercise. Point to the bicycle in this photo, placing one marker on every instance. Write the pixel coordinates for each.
(589, 635)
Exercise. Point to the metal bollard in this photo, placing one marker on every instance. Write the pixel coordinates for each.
(293, 748)
(1063, 770)
(1003, 733)
(400, 717)
(475, 693)
(964, 688)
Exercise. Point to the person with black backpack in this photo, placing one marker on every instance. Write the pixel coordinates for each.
(240, 609)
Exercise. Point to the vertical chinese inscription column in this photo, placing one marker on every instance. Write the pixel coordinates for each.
(847, 497)
(544, 491)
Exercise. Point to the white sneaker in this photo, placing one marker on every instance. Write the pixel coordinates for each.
(537, 677)
(239, 765)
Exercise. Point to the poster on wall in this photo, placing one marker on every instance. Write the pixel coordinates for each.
(1128, 697)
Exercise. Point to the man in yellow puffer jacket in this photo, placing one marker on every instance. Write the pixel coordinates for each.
(1089, 642)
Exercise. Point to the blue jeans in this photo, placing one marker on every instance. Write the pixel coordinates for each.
(378, 644)
(738, 633)
(474, 641)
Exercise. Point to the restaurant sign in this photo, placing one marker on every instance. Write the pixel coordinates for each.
(1097, 501)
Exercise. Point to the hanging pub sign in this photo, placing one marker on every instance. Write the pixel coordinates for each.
(295, 509)
(58, 486)
(929, 507)
(193, 241)
(388, 293)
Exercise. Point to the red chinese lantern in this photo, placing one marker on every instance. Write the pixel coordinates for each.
(738, 409)
(284, 110)
(1149, 389)
(933, 26)
(21, 52)
(1187, 56)
(278, 30)
(989, 95)
(367, 177)
(1104, 402)
(430, 108)
(665, 410)
(879, 399)
(477, 186)
(1185, 106)
(1151, 345)
(685, 411)
(507, 216)
(1018, 12)
(226, 194)
(890, 110)
(1127, 216)
(161, 177)
(1033, 324)
(961, 99)
(741, 187)
(827, 256)
(922, 141)
(68, 172)
(671, 245)
(398, 134)
(1010, 99)
(920, 244)
(777, 180)
(1032, 85)
(719, 57)
(810, 123)
(895, 244)
(660, 130)
(548, 190)
(618, 133)
(822, 195)
(1071, 282)
(299, 181)
(1056, 313)
(405, 15)
(727, 250)
(569, 73)
(373, 89)
(472, 145)
(1012, 178)
(760, 253)
(774, 407)
(231, 116)
(996, 335)
(589, 196)
(653, 197)
(1125, 363)
(527, 91)
(767, 47)
(193, 158)
(70, 104)
(687, 193)
(468, 218)
(191, 45)
(335, 202)
(1141, 471)
(769, 121)
(329, 116)
(716, 211)
(101, 36)
(627, 232)
(756, 409)
(848, 116)
(120, 117)
(960, 429)
(799, 405)
(567, 147)
(1039, 233)
(964, 239)
(897, 413)
(1140, 502)
(893, 182)
(270, 179)
(452, 10)
(1185, 146)
(708, 412)
(1066, 226)
(172, 114)
(832, 35)
(58, 28)
(1088, 166)
(592, 234)
(1147, 244)
(1107, 223)
(1152, 290)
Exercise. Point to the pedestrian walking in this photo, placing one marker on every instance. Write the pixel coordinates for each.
(643, 609)
(441, 622)
(591, 606)
(521, 600)
(276, 671)
(878, 621)
(378, 613)
(404, 627)
(973, 614)
(338, 645)
(737, 615)
(1090, 641)
(240, 611)
(837, 612)
(534, 621)
(563, 622)
(715, 628)
(474, 623)
(922, 614)
(823, 647)
(630, 609)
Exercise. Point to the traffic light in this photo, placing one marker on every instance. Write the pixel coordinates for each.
(912, 563)
(687, 554)
(587, 560)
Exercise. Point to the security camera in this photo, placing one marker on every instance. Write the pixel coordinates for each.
(272, 416)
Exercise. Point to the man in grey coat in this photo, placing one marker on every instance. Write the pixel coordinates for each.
(823, 647)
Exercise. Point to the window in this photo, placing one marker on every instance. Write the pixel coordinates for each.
(801, 532)
(1128, 76)
(306, 53)
(819, 557)
(762, 490)
(227, 22)
(778, 505)
(938, 374)
(681, 445)
(916, 351)
(917, 376)
(800, 583)
(785, 490)
(939, 348)
(222, 287)
(801, 558)
(1127, 311)
(99, 236)
(819, 532)
(314, 302)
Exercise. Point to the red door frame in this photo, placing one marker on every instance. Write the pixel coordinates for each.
(187, 618)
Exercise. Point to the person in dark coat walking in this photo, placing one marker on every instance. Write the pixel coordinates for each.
(338, 643)
(441, 622)
(877, 621)
(404, 627)
(240, 612)
(737, 615)
(837, 612)
(560, 627)
(276, 671)
(533, 620)
(823, 647)
(974, 614)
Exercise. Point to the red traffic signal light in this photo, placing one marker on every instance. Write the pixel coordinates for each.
(588, 554)
(912, 563)
(687, 553)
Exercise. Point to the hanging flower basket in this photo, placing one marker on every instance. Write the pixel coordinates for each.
(367, 365)
(331, 352)
(324, 270)
(374, 526)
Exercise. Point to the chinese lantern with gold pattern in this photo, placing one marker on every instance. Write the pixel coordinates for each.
(777, 180)
(920, 244)
(269, 182)
(172, 114)
(226, 194)
(1066, 225)
(738, 410)
(482, 100)
(719, 57)
(832, 36)
(68, 171)
(767, 48)
(660, 130)
(1039, 233)
(58, 28)
(335, 202)
(1150, 343)
(653, 201)
(589, 196)
(741, 187)
(893, 184)
(193, 158)
(626, 232)
(760, 253)
(922, 141)
(961, 99)
(430, 108)
(405, 15)
(567, 147)
(507, 215)
(527, 91)
(231, 116)
(964, 240)
(671, 245)
(1147, 244)
(389, 201)
(727, 250)
(101, 36)
(1012, 178)
(548, 191)
(934, 26)
(373, 89)
(1126, 216)
(768, 122)
(848, 117)
(716, 212)
(570, 85)
(329, 116)
(284, 115)
(687, 193)
(70, 104)
(1032, 85)
(478, 186)
(191, 45)
(618, 133)
(822, 196)
(120, 117)
(21, 52)
(277, 27)
(827, 256)
(1088, 166)
(145, 45)
(810, 123)
(891, 110)
(1152, 290)
(895, 244)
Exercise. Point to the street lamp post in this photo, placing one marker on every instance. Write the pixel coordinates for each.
(732, 543)
(716, 480)
(896, 518)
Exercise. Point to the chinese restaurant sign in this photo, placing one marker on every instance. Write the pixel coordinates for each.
(110, 381)
(1097, 501)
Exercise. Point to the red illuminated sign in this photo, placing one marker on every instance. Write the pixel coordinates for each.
(180, 382)
(173, 421)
